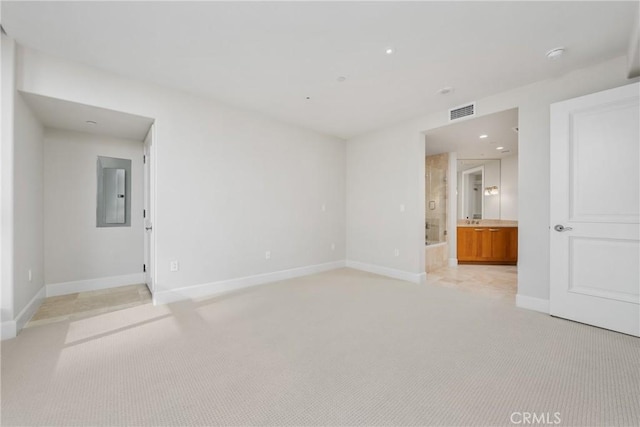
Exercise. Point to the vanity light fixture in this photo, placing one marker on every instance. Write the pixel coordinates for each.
(491, 191)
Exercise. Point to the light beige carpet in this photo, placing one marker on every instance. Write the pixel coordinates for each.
(338, 348)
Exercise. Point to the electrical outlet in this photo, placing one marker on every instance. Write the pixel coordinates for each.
(396, 252)
(174, 266)
(333, 246)
(267, 255)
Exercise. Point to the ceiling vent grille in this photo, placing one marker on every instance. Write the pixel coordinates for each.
(457, 113)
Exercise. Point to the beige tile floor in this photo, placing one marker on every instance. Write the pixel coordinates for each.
(499, 281)
(87, 304)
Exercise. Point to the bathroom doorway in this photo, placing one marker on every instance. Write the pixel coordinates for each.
(471, 212)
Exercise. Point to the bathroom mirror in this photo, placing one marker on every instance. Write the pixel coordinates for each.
(113, 192)
(478, 189)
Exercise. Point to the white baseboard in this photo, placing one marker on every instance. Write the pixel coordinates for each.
(64, 288)
(27, 313)
(215, 288)
(389, 272)
(453, 262)
(532, 303)
(8, 330)
(11, 328)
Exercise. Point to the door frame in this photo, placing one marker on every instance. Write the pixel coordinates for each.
(463, 188)
(150, 190)
(452, 204)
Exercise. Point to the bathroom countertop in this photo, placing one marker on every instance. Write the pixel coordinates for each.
(488, 223)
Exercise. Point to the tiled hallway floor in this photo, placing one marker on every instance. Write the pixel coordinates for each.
(500, 281)
(85, 304)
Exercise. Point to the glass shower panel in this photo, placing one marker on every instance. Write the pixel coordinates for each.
(436, 192)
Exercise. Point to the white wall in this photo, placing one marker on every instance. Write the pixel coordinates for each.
(75, 249)
(385, 168)
(230, 184)
(22, 209)
(509, 187)
(491, 179)
(6, 184)
(28, 210)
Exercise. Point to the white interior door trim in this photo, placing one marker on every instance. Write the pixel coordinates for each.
(151, 214)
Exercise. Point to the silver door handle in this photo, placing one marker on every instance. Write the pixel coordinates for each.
(560, 228)
(148, 228)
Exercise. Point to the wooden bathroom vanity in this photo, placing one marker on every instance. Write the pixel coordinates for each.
(487, 244)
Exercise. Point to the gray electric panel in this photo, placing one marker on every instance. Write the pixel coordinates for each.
(114, 192)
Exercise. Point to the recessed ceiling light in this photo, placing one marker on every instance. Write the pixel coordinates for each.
(91, 122)
(555, 53)
(389, 51)
(484, 136)
(499, 148)
(308, 97)
(341, 78)
(445, 90)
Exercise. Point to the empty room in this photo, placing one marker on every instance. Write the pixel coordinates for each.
(320, 213)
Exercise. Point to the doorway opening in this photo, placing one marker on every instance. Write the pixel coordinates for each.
(471, 212)
(98, 203)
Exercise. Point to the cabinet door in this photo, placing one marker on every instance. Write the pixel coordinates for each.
(470, 244)
(512, 253)
(464, 244)
(500, 242)
(504, 244)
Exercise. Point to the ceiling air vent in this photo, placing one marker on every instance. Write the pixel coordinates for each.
(468, 110)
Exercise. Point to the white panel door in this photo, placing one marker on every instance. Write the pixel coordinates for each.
(595, 209)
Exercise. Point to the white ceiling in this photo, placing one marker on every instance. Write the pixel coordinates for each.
(59, 114)
(269, 56)
(463, 137)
